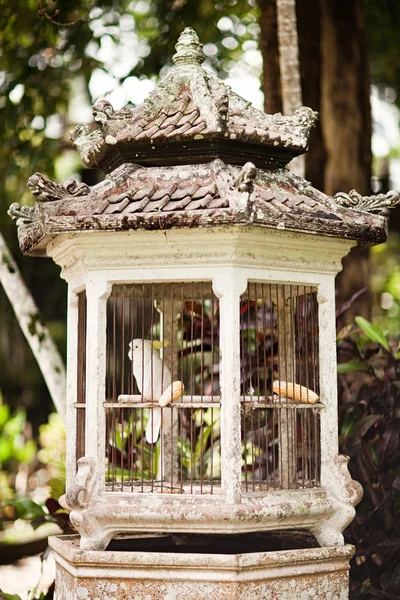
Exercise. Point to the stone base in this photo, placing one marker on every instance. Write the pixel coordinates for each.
(309, 574)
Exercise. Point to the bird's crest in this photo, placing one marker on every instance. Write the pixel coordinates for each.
(157, 344)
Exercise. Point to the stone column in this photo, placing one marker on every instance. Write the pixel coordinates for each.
(97, 292)
(169, 469)
(287, 416)
(335, 477)
(72, 378)
(228, 287)
(328, 376)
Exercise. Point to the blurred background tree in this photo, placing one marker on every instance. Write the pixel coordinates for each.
(59, 56)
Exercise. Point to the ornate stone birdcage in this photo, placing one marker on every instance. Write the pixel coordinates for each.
(201, 320)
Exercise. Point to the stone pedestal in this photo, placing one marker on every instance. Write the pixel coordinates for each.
(309, 574)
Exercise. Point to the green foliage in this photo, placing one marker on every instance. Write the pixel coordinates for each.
(19, 507)
(224, 28)
(202, 461)
(350, 366)
(383, 22)
(386, 284)
(39, 61)
(26, 508)
(374, 333)
(370, 435)
(14, 447)
(52, 453)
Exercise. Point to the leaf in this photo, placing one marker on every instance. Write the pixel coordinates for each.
(350, 366)
(57, 487)
(27, 508)
(349, 424)
(15, 424)
(396, 484)
(366, 424)
(346, 331)
(373, 332)
(9, 596)
(389, 442)
(5, 449)
(26, 453)
(389, 543)
(4, 414)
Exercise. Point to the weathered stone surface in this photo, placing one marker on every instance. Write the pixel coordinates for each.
(310, 574)
(138, 197)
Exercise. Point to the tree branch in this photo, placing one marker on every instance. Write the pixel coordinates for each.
(43, 12)
(37, 335)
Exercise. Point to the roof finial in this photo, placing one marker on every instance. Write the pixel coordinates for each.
(188, 49)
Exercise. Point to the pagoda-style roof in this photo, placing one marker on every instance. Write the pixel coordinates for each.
(190, 117)
(194, 154)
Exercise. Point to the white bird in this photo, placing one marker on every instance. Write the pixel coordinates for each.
(152, 379)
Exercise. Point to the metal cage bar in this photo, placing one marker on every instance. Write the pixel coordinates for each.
(161, 336)
(280, 383)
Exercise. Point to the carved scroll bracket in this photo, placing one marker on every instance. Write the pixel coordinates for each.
(103, 111)
(346, 494)
(80, 493)
(46, 190)
(379, 204)
(24, 215)
(301, 122)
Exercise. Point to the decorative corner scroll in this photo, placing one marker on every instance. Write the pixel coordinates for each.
(245, 180)
(80, 493)
(351, 489)
(24, 215)
(345, 493)
(89, 143)
(303, 119)
(103, 111)
(46, 190)
(379, 204)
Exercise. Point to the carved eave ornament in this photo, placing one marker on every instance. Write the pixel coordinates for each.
(194, 154)
(379, 204)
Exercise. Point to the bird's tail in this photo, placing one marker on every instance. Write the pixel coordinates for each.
(153, 426)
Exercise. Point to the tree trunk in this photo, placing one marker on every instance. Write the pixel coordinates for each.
(346, 127)
(270, 53)
(309, 32)
(288, 55)
(289, 65)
